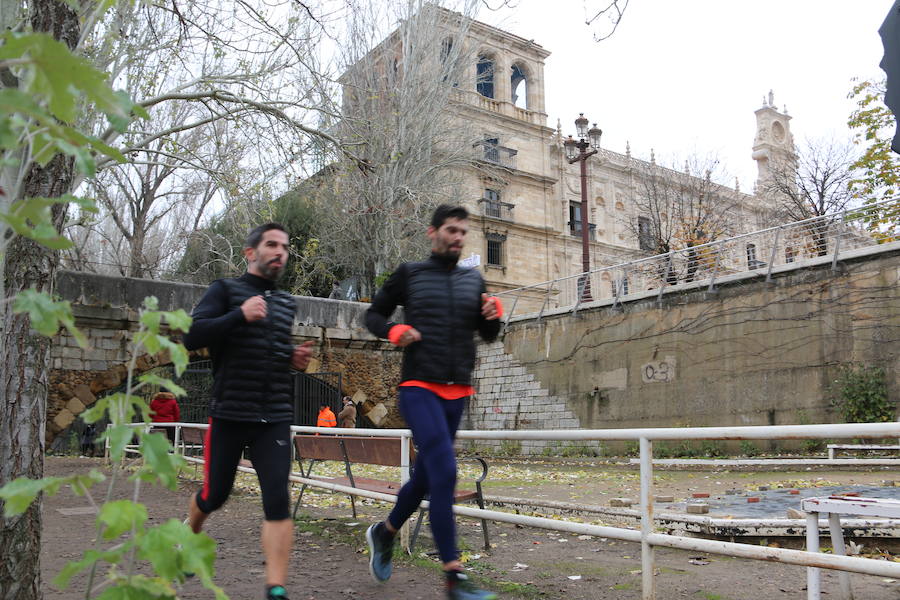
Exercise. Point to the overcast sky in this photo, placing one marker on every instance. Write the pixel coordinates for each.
(684, 76)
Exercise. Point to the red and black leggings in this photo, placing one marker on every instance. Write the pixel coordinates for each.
(269, 446)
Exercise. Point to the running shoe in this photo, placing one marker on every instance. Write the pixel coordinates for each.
(381, 552)
(462, 588)
(276, 592)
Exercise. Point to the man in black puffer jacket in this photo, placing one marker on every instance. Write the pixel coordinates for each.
(444, 305)
(246, 325)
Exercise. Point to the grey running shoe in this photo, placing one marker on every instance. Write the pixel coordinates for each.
(381, 552)
(463, 589)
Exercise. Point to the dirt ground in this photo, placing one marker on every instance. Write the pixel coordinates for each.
(329, 559)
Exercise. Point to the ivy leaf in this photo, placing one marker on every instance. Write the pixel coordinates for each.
(19, 493)
(121, 516)
(151, 320)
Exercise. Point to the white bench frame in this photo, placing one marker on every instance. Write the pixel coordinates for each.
(833, 447)
(833, 507)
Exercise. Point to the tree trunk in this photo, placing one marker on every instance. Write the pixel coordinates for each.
(25, 355)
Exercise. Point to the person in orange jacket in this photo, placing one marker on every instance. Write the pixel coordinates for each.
(165, 410)
(326, 417)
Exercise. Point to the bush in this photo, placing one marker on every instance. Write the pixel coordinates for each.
(861, 395)
(749, 448)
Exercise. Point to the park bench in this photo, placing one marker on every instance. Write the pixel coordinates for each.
(384, 451)
(833, 447)
(833, 507)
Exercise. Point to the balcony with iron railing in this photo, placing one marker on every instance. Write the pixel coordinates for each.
(575, 230)
(496, 154)
(496, 209)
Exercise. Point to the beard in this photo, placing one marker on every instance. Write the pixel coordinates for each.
(271, 271)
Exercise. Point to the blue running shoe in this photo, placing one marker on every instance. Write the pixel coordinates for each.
(381, 552)
(276, 592)
(461, 587)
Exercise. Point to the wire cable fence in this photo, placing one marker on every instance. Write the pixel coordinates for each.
(816, 241)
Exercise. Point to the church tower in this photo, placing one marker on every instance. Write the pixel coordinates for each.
(773, 146)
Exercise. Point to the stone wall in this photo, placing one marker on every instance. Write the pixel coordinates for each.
(105, 310)
(751, 353)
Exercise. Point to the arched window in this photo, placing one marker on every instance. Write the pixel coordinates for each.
(518, 83)
(484, 81)
(448, 60)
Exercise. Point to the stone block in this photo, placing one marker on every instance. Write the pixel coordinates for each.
(359, 397)
(75, 406)
(621, 502)
(84, 394)
(72, 364)
(98, 365)
(377, 413)
(63, 419)
(664, 499)
(698, 508)
(793, 513)
(68, 352)
(106, 380)
(314, 366)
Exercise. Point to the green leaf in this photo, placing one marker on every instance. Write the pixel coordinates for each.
(177, 352)
(90, 557)
(173, 549)
(82, 482)
(160, 464)
(151, 320)
(121, 516)
(168, 384)
(178, 320)
(119, 436)
(19, 493)
(151, 303)
(139, 587)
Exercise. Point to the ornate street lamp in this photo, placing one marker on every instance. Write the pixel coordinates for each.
(577, 151)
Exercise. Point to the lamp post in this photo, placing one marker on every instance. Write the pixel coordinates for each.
(577, 151)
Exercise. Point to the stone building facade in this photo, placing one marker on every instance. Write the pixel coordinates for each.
(524, 195)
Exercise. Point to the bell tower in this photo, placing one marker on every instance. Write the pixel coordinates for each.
(773, 146)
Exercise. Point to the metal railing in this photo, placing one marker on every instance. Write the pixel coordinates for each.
(819, 240)
(496, 209)
(495, 154)
(646, 536)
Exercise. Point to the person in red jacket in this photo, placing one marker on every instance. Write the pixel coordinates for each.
(165, 409)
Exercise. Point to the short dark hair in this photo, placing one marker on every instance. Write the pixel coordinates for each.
(256, 234)
(445, 211)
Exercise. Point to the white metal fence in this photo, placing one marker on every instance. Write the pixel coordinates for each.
(758, 254)
(646, 536)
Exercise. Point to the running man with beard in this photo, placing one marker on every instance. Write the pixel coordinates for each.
(246, 324)
(444, 305)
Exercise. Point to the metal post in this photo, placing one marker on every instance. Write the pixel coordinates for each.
(509, 314)
(404, 477)
(648, 582)
(665, 277)
(585, 227)
(837, 542)
(712, 279)
(837, 249)
(812, 545)
(772, 255)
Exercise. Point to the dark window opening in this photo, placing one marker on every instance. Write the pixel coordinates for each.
(645, 234)
(491, 150)
(752, 262)
(492, 203)
(575, 215)
(790, 254)
(484, 81)
(495, 243)
(519, 86)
